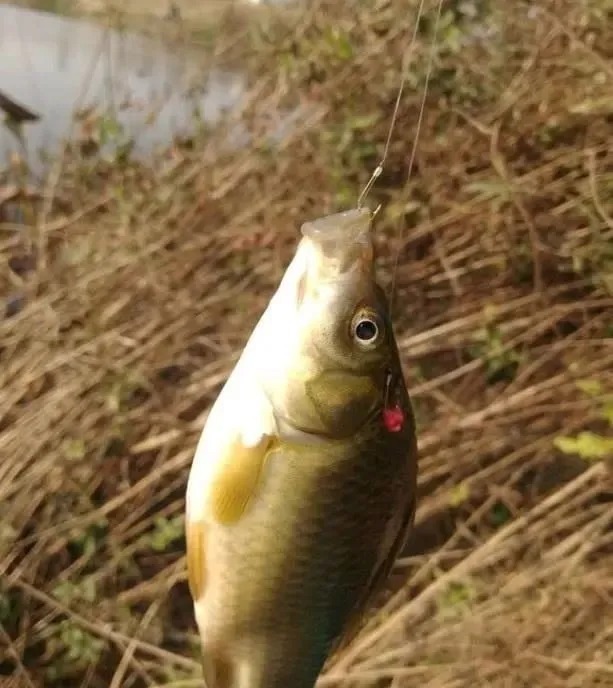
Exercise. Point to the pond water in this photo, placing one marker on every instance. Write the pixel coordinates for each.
(57, 66)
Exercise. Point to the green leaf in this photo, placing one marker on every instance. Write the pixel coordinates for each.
(593, 106)
(489, 188)
(500, 514)
(588, 445)
(109, 129)
(165, 532)
(456, 599)
(358, 122)
(65, 591)
(340, 44)
(74, 449)
(459, 494)
(607, 412)
(590, 387)
(88, 589)
(84, 590)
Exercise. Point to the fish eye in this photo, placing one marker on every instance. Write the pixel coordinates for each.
(365, 329)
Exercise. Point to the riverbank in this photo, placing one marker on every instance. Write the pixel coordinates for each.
(128, 290)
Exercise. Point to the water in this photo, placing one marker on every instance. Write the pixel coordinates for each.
(57, 66)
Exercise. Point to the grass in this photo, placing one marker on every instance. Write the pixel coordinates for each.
(126, 291)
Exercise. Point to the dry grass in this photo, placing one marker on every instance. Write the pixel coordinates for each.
(137, 288)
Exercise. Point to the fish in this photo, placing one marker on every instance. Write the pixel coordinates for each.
(302, 489)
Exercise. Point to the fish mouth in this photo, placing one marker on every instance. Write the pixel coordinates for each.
(339, 244)
(347, 226)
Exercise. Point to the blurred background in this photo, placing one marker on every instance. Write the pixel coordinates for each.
(156, 162)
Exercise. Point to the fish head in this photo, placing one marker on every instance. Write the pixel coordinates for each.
(339, 342)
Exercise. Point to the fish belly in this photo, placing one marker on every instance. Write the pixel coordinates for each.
(283, 579)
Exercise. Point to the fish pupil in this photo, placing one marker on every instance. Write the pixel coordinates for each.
(366, 330)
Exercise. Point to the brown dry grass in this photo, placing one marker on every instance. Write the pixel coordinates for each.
(146, 282)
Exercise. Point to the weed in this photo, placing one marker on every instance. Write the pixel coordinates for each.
(500, 362)
(73, 649)
(456, 600)
(165, 533)
(145, 269)
(588, 445)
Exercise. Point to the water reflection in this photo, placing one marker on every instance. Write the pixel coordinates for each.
(56, 66)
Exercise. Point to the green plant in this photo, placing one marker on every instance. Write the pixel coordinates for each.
(83, 590)
(501, 362)
(87, 540)
(73, 650)
(499, 514)
(55, 6)
(9, 608)
(459, 494)
(589, 445)
(347, 147)
(165, 532)
(455, 600)
(121, 389)
(336, 43)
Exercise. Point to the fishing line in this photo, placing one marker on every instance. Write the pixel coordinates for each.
(406, 61)
(420, 117)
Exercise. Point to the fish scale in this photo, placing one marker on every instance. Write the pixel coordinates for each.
(322, 521)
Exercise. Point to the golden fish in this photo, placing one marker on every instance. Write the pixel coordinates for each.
(302, 489)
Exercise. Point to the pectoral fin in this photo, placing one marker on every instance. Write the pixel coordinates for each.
(237, 479)
(226, 476)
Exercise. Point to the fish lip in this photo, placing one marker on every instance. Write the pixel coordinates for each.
(339, 244)
(351, 225)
